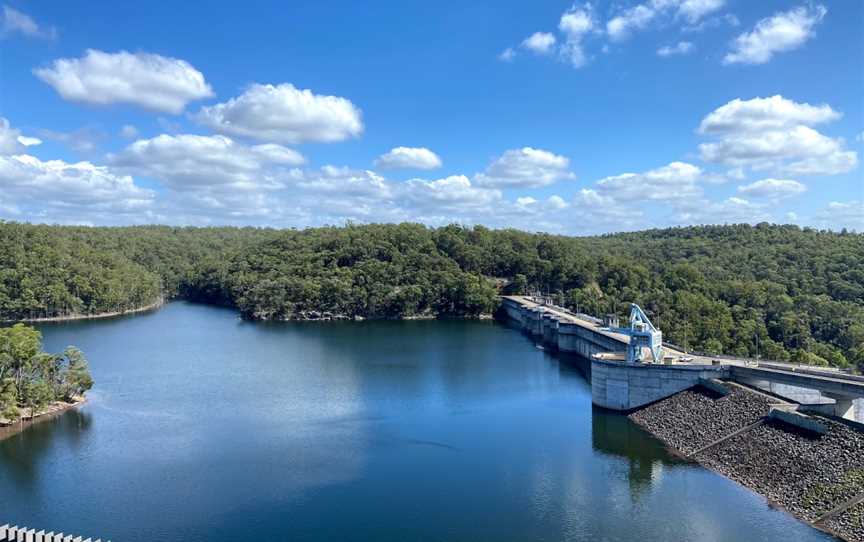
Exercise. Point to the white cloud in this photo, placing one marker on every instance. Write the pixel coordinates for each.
(773, 189)
(525, 201)
(557, 202)
(575, 24)
(677, 180)
(284, 114)
(635, 18)
(842, 214)
(542, 43)
(694, 10)
(781, 32)
(334, 194)
(128, 132)
(62, 192)
(800, 150)
(525, 167)
(9, 138)
(604, 213)
(83, 140)
(214, 179)
(668, 195)
(774, 133)
(736, 173)
(343, 181)
(450, 193)
(189, 162)
(277, 154)
(729, 211)
(15, 21)
(833, 162)
(507, 55)
(408, 158)
(758, 114)
(580, 21)
(29, 141)
(712, 22)
(641, 16)
(147, 80)
(681, 48)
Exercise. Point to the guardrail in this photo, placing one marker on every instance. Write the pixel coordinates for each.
(23, 534)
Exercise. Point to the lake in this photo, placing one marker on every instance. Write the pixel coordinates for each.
(203, 426)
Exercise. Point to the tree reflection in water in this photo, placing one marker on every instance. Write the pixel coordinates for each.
(22, 452)
(614, 434)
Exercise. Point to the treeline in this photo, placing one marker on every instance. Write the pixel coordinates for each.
(32, 379)
(375, 271)
(783, 292)
(50, 271)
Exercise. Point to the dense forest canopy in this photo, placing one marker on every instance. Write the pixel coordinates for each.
(782, 291)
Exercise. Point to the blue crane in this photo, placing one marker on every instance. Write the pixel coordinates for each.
(643, 335)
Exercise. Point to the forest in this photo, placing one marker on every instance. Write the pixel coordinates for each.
(31, 379)
(782, 292)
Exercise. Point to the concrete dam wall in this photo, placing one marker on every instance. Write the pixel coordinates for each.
(615, 385)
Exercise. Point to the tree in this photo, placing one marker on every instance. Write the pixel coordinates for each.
(9, 400)
(76, 379)
(32, 379)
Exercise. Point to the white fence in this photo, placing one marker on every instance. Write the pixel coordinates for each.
(23, 534)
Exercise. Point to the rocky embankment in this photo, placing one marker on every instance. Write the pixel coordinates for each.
(692, 419)
(851, 521)
(806, 474)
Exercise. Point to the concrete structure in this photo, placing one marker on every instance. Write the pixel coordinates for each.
(799, 420)
(615, 383)
(23, 534)
(621, 385)
(806, 387)
(561, 330)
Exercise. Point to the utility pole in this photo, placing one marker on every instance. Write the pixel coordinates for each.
(756, 334)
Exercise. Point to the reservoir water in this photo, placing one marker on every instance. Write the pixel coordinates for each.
(206, 427)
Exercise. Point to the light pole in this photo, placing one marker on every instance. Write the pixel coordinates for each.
(756, 334)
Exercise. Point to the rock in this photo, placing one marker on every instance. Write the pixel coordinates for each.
(808, 475)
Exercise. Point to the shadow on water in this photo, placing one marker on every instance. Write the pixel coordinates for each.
(22, 452)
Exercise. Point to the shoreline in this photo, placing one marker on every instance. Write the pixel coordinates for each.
(51, 411)
(73, 317)
(772, 503)
(328, 317)
(324, 316)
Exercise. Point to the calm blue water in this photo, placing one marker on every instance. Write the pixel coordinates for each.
(205, 427)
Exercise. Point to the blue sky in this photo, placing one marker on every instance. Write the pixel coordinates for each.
(571, 118)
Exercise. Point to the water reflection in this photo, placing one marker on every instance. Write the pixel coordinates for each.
(206, 427)
(21, 454)
(613, 434)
